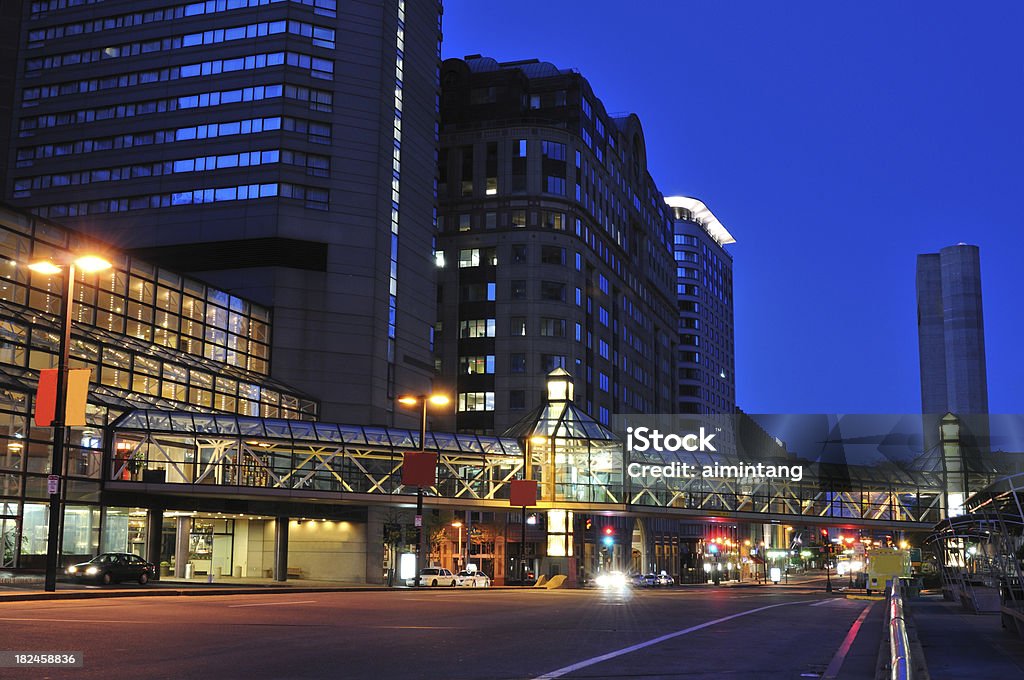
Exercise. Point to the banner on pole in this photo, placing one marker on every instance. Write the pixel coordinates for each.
(419, 468)
(523, 492)
(77, 393)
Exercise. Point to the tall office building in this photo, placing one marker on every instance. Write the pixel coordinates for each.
(951, 332)
(556, 248)
(951, 338)
(283, 150)
(706, 354)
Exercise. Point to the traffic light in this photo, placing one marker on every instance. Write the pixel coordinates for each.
(588, 524)
(609, 536)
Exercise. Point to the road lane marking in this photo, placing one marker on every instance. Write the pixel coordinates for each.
(419, 627)
(87, 621)
(270, 604)
(837, 661)
(641, 645)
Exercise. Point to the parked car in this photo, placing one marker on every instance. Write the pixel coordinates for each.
(108, 568)
(652, 580)
(473, 579)
(434, 576)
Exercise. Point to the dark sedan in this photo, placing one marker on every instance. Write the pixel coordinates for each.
(108, 568)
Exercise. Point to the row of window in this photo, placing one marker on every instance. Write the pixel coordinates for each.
(133, 297)
(312, 197)
(487, 291)
(152, 375)
(322, 7)
(556, 220)
(557, 328)
(319, 101)
(321, 37)
(318, 166)
(318, 68)
(314, 130)
(476, 401)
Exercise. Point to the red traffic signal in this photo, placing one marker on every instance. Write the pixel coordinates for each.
(588, 524)
(608, 531)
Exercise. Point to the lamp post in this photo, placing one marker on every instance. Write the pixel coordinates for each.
(527, 473)
(87, 263)
(421, 400)
(458, 525)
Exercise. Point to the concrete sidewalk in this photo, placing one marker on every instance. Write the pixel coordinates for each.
(959, 645)
(28, 591)
(30, 587)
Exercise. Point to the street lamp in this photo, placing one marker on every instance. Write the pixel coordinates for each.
(458, 525)
(421, 400)
(89, 264)
(538, 439)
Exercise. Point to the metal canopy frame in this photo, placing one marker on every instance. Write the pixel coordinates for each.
(581, 466)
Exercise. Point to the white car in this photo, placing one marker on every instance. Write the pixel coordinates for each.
(434, 576)
(473, 579)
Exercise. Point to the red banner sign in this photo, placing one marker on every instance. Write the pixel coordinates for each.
(419, 468)
(523, 492)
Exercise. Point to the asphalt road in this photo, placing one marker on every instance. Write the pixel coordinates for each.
(452, 635)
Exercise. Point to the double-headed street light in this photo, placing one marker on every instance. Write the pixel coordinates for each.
(421, 400)
(88, 264)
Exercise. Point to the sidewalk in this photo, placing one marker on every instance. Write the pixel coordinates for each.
(959, 645)
(30, 587)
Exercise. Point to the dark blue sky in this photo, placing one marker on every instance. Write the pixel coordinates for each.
(835, 141)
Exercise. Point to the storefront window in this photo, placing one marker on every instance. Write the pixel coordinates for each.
(115, 530)
(81, 531)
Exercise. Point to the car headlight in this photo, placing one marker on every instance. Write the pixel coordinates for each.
(611, 580)
(92, 570)
(72, 570)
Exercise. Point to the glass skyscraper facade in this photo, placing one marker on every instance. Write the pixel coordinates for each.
(283, 150)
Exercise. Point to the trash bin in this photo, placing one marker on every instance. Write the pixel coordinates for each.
(218, 571)
(188, 570)
(238, 571)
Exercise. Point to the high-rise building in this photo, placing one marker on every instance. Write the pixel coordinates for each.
(951, 339)
(951, 331)
(283, 150)
(706, 357)
(556, 248)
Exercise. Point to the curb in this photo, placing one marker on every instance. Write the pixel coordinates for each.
(200, 591)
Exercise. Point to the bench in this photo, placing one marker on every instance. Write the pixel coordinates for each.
(294, 572)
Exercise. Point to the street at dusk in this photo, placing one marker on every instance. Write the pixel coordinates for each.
(464, 635)
(449, 340)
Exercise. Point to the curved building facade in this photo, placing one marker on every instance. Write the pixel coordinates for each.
(555, 248)
(706, 357)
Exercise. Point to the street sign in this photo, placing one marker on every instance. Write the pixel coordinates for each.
(53, 484)
(419, 521)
